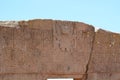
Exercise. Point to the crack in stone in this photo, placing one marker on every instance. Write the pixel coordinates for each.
(87, 66)
(85, 77)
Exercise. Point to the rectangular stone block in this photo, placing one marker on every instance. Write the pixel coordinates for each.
(105, 56)
(40, 46)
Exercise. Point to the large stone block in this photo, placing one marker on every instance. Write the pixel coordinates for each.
(105, 58)
(45, 47)
(40, 49)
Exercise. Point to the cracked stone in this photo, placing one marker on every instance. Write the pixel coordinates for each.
(40, 49)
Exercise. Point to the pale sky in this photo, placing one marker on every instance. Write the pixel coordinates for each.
(99, 13)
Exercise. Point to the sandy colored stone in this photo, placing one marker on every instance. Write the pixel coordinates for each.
(9, 24)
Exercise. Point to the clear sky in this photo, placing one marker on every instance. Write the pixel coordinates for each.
(99, 13)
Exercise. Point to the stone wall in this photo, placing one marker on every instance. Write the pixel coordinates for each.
(41, 49)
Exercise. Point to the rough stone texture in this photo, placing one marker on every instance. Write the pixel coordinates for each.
(105, 59)
(9, 23)
(41, 49)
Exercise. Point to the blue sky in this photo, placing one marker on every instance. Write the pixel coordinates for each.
(99, 13)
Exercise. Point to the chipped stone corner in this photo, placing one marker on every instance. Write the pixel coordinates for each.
(96, 29)
(10, 24)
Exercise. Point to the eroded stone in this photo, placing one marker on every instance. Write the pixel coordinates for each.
(41, 49)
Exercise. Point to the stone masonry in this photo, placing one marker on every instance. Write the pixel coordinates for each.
(40, 49)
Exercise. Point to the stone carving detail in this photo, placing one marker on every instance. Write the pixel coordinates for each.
(43, 38)
(64, 37)
(41, 49)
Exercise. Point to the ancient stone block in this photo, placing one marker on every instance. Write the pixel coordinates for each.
(40, 49)
(105, 56)
(52, 48)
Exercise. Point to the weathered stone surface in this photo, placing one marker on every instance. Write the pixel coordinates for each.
(21, 77)
(105, 63)
(45, 47)
(40, 49)
(104, 76)
(9, 23)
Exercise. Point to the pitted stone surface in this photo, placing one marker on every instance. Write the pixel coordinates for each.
(46, 47)
(40, 49)
(104, 64)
